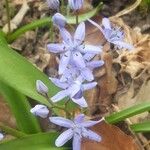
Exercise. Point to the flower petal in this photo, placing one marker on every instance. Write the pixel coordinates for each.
(95, 64)
(64, 62)
(79, 118)
(81, 102)
(67, 38)
(74, 89)
(56, 48)
(79, 33)
(59, 96)
(88, 57)
(106, 23)
(91, 123)
(91, 49)
(96, 25)
(76, 142)
(64, 137)
(125, 45)
(91, 135)
(61, 121)
(78, 59)
(58, 83)
(1, 136)
(87, 74)
(88, 86)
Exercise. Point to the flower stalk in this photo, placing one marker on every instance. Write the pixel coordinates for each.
(8, 15)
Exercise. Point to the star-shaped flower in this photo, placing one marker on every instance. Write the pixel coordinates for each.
(73, 90)
(77, 129)
(112, 34)
(72, 48)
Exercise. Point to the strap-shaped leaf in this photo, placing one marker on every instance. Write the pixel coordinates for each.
(20, 107)
(141, 127)
(20, 74)
(42, 141)
(129, 112)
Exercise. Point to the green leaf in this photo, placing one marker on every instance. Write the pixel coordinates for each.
(46, 21)
(42, 141)
(20, 107)
(129, 112)
(20, 74)
(141, 127)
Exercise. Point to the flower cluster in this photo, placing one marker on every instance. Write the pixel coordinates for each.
(75, 73)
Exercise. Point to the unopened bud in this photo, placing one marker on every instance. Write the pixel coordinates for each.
(53, 4)
(76, 4)
(40, 110)
(41, 87)
(59, 20)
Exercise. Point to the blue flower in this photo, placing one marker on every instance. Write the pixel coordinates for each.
(73, 89)
(53, 4)
(59, 20)
(40, 110)
(76, 4)
(72, 48)
(77, 129)
(112, 34)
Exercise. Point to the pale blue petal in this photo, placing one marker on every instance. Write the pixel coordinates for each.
(125, 45)
(79, 118)
(59, 96)
(88, 86)
(79, 34)
(87, 74)
(78, 95)
(67, 38)
(88, 57)
(1, 136)
(78, 60)
(64, 62)
(58, 83)
(56, 48)
(106, 23)
(91, 135)
(81, 102)
(90, 123)
(76, 142)
(95, 64)
(74, 89)
(91, 49)
(96, 25)
(60, 121)
(64, 137)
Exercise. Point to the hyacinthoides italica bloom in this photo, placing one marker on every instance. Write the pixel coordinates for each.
(77, 129)
(112, 34)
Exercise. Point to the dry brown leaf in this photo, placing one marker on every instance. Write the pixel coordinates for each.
(112, 139)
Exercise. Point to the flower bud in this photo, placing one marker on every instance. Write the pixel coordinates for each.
(40, 110)
(1, 136)
(41, 87)
(53, 4)
(59, 20)
(76, 4)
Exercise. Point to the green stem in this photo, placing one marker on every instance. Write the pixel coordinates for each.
(54, 106)
(62, 6)
(8, 15)
(35, 24)
(11, 131)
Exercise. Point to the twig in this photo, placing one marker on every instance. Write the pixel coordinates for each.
(128, 9)
(8, 15)
(15, 22)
